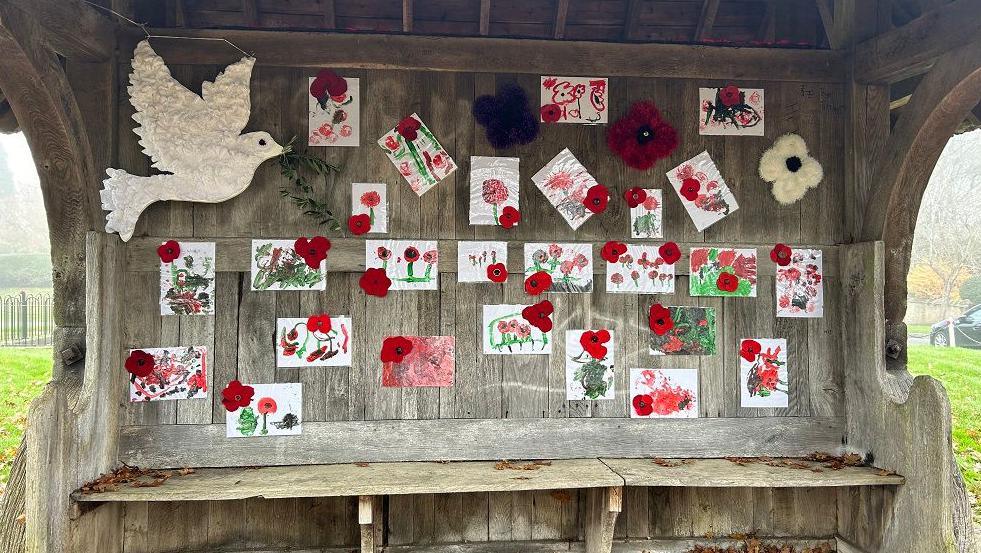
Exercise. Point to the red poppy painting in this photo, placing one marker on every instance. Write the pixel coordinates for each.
(682, 330)
(409, 264)
(317, 341)
(589, 364)
(187, 281)
(481, 261)
(800, 285)
(574, 100)
(371, 200)
(731, 110)
(158, 374)
(705, 195)
(413, 149)
(493, 188)
(277, 265)
(263, 409)
(726, 272)
(566, 183)
(507, 332)
(638, 269)
(429, 362)
(646, 217)
(763, 373)
(569, 265)
(334, 106)
(663, 393)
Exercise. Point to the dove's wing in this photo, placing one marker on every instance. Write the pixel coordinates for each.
(229, 95)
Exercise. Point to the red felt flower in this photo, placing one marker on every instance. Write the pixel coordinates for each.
(669, 252)
(395, 348)
(236, 396)
(319, 323)
(313, 251)
(375, 282)
(536, 283)
(266, 406)
(660, 319)
(749, 349)
(327, 83)
(612, 251)
(497, 272)
(781, 254)
(169, 251)
(596, 198)
(643, 404)
(551, 113)
(727, 282)
(359, 224)
(729, 95)
(635, 196)
(689, 189)
(509, 216)
(408, 128)
(539, 315)
(593, 342)
(641, 137)
(139, 363)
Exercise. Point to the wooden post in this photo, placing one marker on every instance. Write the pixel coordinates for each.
(602, 507)
(370, 519)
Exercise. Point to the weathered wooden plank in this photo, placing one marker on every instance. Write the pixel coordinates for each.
(74, 29)
(721, 473)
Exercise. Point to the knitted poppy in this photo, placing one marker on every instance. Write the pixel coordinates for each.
(395, 348)
(497, 272)
(641, 137)
(643, 404)
(781, 254)
(612, 251)
(536, 283)
(169, 251)
(669, 252)
(730, 95)
(539, 315)
(139, 363)
(359, 224)
(689, 189)
(727, 282)
(791, 169)
(319, 323)
(551, 113)
(236, 396)
(593, 342)
(313, 251)
(749, 349)
(596, 198)
(327, 83)
(635, 196)
(409, 128)
(659, 319)
(509, 217)
(375, 282)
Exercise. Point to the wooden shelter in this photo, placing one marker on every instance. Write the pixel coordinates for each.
(875, 86)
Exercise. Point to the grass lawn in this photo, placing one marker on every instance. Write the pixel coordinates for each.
(918, 329)
(23, 373)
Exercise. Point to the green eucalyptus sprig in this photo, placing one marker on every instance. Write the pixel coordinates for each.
(294, 165)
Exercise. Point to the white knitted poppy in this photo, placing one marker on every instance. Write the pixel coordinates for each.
(790, 168)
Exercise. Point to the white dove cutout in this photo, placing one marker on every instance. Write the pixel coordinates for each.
(196, 141)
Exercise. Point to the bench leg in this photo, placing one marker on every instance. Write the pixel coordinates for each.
(370, 520)
(602, 507)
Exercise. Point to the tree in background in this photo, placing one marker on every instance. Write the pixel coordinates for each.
(971, 290)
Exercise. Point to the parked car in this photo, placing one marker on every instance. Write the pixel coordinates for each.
(966, 330)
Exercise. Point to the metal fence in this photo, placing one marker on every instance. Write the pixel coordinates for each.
(26, 320)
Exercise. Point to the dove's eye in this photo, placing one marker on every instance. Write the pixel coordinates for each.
(262, 141)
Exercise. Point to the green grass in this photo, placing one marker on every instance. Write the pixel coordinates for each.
(918, 329)
(960, 371)
(23, 373)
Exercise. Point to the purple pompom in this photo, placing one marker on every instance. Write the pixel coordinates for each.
(507, 117)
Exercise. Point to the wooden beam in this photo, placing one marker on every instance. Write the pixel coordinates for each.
(498, 55)
(603, 505)
(330, 14)
(72, 28)
(914, 47)
(251, 10)
(768, 26)
(631, 19)
(827, 19)
(561, 13)
(406, 16)
(8, 122)
(706, 20)
(485, 10)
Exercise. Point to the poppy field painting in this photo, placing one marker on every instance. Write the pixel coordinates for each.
(159, 374)
(410, 264)
(763, 373)
(589, 364)
(187, 281)
(703, 192)
(565, 183)
(640, 270)
(481, 261)
(723, 272)
(574, 100)
(276, 265)
(428, 361)
(493, 188)
(688, 331)
(569, 265)
(731, 111)
(416, 154)
(335, 119)
(273, 410)
(646, 218)
(663, 393)
(315, 341)
(506, 331)
(371, 199)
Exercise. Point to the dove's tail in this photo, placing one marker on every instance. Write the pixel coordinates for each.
(125, 196)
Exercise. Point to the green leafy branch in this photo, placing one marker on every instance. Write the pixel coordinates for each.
(294, 165)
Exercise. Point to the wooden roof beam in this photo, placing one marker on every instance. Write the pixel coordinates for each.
(406, 16)
(706, 21)
(631, 20)
(561, 12)
(768, 27)
(827, 19)
(8, 122)
(329, 14)
(485, 6)
(73, 29)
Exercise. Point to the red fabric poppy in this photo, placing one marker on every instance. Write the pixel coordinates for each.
(169, 251)
(509, 216)
(313, 251)
(660, 319)
(635, 196)
(395, 348)
(729, 95)
(375, 282)
(236, 396)
(781, 254)
(551, 113)
(139, 363)
(641, 137)
(612, 251)
(497, 272)
(596, 198)
(319, 323)
(359, 224)
(539, 315)
(408, 128)
(327, 82)
(593, 342)
(727, 282)
(643, 404)
(689, 189)
(749, 349)
(266, 406)
(669, 252)
(536, 283)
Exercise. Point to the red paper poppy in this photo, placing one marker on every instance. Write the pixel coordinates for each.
(169, 251)
(411, 254)
(509, 217)
(612, 251)
(236, 396)
(536, 283)
(729, 95)
(749, 349)
(395, 348)
(313, 251)
(319, 323)
(139, 363)
(592, 342)
(689, 189)
(669, 252)
(408, 128)
(643, 404)
(596, 198)
(266, 406)
(641, 137)
(781, 254)
(727, 282)
(327, 83)
(539, 315)
(497, 272)
(375, 282)
(635, 196)
(359, 224)
(660, 319)
(551, 113)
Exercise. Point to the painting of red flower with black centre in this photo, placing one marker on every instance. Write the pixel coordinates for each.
(429, 363)
(507, 332)
(371, 199)
(410, 264)
(274, 410)
(641, 270)
(473, 258)
(569, 264)
(664, 393)
(693, 332)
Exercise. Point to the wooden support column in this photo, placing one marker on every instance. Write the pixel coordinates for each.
(603, 505)
(561, 13)
(370, 519)
(485, 7)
